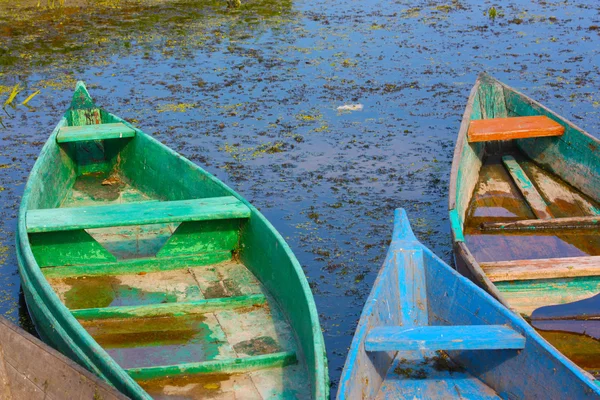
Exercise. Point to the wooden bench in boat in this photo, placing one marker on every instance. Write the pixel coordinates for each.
(68, 134)
(548, 268)
(138, 213)
(437, 337)
(484, 130)
(209, 229)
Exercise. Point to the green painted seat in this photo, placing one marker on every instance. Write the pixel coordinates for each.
(68, 134)
(138, 213)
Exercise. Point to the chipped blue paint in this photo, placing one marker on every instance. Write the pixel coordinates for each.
(536, 371)
(458, 337)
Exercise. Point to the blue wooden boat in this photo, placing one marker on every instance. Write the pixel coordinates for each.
(426, 332)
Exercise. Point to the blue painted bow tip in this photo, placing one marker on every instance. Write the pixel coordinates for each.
(402, 229)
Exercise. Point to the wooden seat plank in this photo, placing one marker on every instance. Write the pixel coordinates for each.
(532, 196)
(68, 134)
(223, 366)
(484, 130)
(142, 213)
(589, 222)
(169, 309)
(456, 337)
(548, 268)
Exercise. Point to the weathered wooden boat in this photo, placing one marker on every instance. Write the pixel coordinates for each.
(30, 369)
(156, 276)
(426, 332)
(525, 210)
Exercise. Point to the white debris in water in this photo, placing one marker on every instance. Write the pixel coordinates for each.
(351, 107)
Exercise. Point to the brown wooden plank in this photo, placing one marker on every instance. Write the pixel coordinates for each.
(568, 267)
(5, 392)
(589, 222)
(37, 371)
(563, 199)
(532, 196)
(484, 130)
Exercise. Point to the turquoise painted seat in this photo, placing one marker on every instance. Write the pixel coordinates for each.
(117, 130)
(138, 213)
(456, 337)
(52, 231)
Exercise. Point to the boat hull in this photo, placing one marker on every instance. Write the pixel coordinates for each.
(417, 290)
(504, 195)
(25, 362)
(258, 247)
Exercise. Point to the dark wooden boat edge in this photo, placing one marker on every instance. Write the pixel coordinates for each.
(59, 376)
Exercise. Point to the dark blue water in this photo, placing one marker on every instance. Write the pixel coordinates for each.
(252, 96)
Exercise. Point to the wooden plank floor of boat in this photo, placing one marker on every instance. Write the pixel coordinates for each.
(249, 325)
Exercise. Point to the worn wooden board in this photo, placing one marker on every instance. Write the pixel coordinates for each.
(513, 128)
(175, 308)
(591, 222)
(432, 376)
(136, 265)
(202, 237)
(563, 199)
(525, 296)
(67, 248)
(534, 199)
(117, 130)
(548, 268)
(32, 370)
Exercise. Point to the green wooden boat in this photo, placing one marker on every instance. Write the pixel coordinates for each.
(525, 212)
(156, 276)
